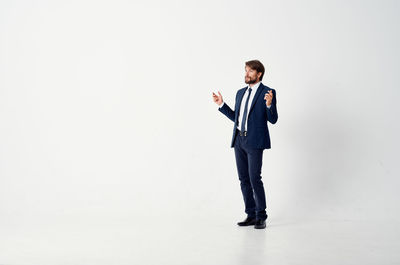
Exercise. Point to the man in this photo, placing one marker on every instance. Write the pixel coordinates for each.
(255, 105)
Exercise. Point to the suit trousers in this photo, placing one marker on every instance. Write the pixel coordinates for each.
(249, 163)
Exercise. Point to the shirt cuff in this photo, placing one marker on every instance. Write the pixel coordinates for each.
(220, 106)
(269, 106)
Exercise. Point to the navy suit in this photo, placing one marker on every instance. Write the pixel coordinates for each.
(249, 149)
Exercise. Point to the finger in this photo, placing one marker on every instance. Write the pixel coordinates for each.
(219, 94)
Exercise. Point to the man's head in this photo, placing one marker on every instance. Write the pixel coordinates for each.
(254, 72)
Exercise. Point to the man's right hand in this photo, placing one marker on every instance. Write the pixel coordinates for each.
(217, 98)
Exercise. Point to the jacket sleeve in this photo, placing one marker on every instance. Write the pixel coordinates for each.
(227, 111)
(272, 112)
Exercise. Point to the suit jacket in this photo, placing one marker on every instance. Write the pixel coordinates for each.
(259, 115)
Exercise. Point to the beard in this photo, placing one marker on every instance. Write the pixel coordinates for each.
(249, 80)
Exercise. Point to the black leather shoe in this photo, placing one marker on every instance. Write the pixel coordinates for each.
(248, 221)
(260, 224)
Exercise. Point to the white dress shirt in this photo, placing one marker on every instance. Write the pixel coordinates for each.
(242, 105)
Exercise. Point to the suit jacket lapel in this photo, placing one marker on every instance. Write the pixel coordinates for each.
(241, 93)
(260, 88)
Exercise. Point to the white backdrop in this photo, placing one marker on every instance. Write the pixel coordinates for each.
(106, 111)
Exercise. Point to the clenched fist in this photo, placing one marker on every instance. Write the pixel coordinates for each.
(268, 97)
(217, 98)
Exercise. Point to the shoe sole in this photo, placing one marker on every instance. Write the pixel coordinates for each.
(249, 224)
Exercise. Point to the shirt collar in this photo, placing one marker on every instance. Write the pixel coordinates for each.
(256, 85)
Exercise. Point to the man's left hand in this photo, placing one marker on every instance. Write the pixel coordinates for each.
(268, 97)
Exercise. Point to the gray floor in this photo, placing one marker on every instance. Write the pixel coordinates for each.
(200, 240)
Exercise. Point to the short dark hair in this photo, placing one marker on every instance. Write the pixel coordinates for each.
(258, 66)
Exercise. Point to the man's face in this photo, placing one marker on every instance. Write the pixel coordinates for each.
(251, 76)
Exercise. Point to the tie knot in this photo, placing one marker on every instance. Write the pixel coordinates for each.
(249, 89)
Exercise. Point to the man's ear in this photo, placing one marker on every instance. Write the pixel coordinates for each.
(259, 75)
